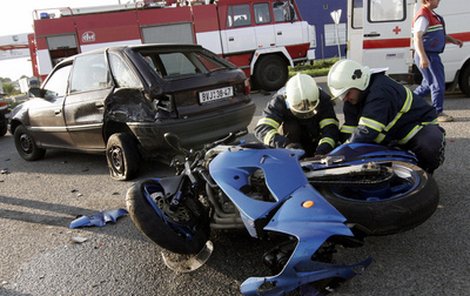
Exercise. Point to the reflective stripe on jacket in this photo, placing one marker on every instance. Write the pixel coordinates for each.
(321, 128)
(387, 111)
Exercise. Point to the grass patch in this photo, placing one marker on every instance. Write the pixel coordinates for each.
(318, 68)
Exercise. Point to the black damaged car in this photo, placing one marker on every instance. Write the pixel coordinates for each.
(122, 100)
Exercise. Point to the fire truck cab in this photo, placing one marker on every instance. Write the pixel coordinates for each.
(262, 37)
(380, 35)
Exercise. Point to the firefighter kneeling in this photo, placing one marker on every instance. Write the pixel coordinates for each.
(301, 116)
(379, 109)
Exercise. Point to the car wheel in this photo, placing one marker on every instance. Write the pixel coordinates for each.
(464, 81)
(271, 72)
(3, 125)
(26, 146)
(122, 156)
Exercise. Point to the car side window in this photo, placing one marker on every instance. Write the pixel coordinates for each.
(122, 74)
(210, 64)
(56, 85)
(89, 73)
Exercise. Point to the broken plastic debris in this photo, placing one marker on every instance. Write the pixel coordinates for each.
(79, 239)
(99, 219)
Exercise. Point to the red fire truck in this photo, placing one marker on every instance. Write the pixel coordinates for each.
(262, 37)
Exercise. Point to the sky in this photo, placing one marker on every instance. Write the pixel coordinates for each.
(16, 17)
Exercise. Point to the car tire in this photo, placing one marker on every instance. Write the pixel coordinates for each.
(26, 146)
(122, 156)
(3, 125)
(464, 80)
(400, 212)
(271, 72)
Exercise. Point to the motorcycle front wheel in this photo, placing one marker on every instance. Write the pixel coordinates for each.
(408, 199)
(183, 229)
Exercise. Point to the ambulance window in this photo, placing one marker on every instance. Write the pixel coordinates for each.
(56, 85)
(284, 11)
(386, 10)
(89, 73)
(262, 15)
(123, 75)
(357, 14)
(238, 16)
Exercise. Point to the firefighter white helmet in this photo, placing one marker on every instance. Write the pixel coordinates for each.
(347, 74)
(302, 95)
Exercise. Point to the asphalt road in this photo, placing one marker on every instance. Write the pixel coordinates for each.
(39, 199)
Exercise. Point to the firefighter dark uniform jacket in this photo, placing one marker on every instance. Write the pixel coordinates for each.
(434, 39)
(387, 113)
(279, 127)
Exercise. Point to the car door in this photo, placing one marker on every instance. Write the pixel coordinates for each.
(46, 116)
(90, 85)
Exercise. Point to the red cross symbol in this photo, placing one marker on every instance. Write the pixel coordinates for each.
(396, 30)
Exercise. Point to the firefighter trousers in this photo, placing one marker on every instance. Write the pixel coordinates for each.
(429, 147)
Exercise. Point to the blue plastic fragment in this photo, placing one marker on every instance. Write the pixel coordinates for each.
(99, 219)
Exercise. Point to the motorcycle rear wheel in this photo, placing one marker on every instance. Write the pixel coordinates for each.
(184, 230)
(405, 202)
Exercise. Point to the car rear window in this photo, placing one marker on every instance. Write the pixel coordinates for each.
(173, 64)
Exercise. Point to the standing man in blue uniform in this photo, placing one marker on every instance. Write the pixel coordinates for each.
(300, 115)
(429, 39)
(377, 109)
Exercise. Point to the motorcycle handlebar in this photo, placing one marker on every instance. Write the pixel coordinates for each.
(229, 138)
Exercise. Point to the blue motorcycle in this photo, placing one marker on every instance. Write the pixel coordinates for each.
(312, 205)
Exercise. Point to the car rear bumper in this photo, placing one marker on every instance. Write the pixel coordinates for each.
(193, 131)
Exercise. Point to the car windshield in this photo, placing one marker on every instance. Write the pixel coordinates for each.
(175, 64)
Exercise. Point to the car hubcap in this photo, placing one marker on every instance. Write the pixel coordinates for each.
(26, 143)
(117, 160)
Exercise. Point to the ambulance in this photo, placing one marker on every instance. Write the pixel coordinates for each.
(262, 37)
(379, 35)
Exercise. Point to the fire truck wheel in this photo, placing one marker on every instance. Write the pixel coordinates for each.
(122, 156)
(464, 80)
(271, 72)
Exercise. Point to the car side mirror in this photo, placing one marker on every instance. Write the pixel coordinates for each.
(35, 92)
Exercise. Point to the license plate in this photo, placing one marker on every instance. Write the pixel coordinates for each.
(215, 94)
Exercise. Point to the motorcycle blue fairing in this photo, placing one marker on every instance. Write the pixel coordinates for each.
(99, 219)
(312, 226)
(356, 152)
